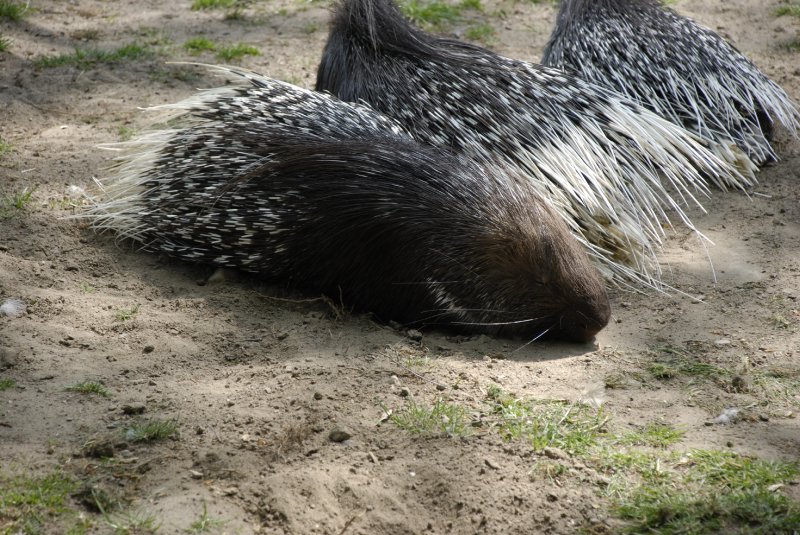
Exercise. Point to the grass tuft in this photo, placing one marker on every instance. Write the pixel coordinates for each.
(125, 314)
(5, 147)
(543, 424)
(12, 10)
(199, 5)
(150, 430)
(90, 387)
(237, 51)
(7, 384)
(441, 419)
(198, 45)
(205, 524)
(792, 10)
(436, 13)
(654, 435)
(86, 58)
(5, 44)
(28, 504)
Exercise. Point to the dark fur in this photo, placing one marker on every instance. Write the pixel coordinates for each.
(386, 223)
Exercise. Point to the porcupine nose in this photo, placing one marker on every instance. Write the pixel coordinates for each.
(583, 322)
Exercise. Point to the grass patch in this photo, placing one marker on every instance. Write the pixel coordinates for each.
(15, 202)
(573, 428)
(480, 32)
(198, 45)
(5, 44)
(790, 10)
(125, 314)
(90, 387)
(29, 504)
(441, 419)
(205, 524)
(86, 58)
(132, 523)
(708, 492)
(125, 133)
(680, 363)
(237, 51)
(199, 5)
(436, 13)
(150, 430)
(5, 147)
(11, 10)
(654, 435)
(7, 384)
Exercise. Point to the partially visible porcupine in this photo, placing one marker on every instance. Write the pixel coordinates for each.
(332, 197)
(605, 163)
(674, 67)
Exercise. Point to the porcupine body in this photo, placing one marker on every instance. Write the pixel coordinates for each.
(331, 197)
(607, 165)
(675, 67)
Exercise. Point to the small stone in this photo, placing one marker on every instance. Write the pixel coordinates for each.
(491, 464)
(722, 342)
(763, 417)
(414, 335)
(230, 491)
(440, 387)
(394, 380)
(339, 435)
(98, 449)
(133, 408)
(317, 396)
(740, 383)
(194, 474)
(371, 456)
(405, 392)
(199, 431)
(551, 497)
(148, 349)
(555, 453)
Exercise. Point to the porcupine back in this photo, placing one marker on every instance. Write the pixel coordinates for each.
(676, 68)
(331, 197)
(609, 167)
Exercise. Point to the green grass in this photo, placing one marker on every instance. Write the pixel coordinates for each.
(125, 133)
(654, 435)
(125, 314)
(29, 504)
(132, 523)
(480, 32)
(792, 10)
(436, 13)
(205, 524)
(237, 51)
(15, 202)
(5, 147)
(7, 384)
(86, 58)
(12, 10)
(198, 45)
(198, 5)
(90, 387)
(150, 430)
(442, 419)
(543, 424)
(706, 492)
(5, 44)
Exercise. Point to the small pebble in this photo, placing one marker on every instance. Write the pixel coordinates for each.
(148, 349)
(317, 396)
(339, 435)
(405, 392)
(414, 335)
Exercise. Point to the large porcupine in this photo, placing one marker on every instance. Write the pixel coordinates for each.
(332, 197)
(674, 67)
(604, 162)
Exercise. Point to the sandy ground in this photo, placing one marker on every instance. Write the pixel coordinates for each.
(256, 384)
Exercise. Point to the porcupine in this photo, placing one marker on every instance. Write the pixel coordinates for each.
(675, 67)
(605, 163)
(332, 197)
